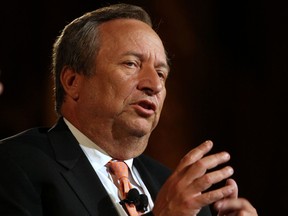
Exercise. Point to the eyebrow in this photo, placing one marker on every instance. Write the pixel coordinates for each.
(141, 56)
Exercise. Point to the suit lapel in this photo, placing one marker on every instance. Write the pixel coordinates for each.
(149, 181)
(79, 173)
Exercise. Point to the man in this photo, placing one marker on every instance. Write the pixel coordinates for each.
(110, 69)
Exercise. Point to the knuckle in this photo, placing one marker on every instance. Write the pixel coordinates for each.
(200, 164)
(186, 159)
(207, 180)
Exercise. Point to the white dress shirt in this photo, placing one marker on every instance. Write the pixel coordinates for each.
(98, 159)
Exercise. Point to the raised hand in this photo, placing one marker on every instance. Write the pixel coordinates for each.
(186, 190)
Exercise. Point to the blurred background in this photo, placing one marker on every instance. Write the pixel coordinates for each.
(228, 82)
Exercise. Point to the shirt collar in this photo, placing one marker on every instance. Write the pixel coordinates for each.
(97, 156)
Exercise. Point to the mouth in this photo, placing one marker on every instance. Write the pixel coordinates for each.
(145, 108)
(147, 105)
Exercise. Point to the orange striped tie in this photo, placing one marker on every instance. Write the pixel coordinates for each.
(119, 172)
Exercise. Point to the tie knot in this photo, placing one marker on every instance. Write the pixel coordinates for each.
(119, 169)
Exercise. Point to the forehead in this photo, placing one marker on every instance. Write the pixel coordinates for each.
(127, 34)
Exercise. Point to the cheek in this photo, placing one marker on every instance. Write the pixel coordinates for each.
(124, 89)
(162, 97)
(91, 96)
(108, 94)
(110, 97)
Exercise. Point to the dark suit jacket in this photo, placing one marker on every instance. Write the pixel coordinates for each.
(45, 172)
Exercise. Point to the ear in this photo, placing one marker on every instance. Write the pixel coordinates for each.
(71, 80)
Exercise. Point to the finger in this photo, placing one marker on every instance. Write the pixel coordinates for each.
(233, 183)
(212, 196)
(195, 154)
(206, 181)
(1, 88)
(200, 167)
(233, 195)
(227, 205)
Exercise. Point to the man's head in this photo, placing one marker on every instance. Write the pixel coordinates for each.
(78, 44)
(114, 83)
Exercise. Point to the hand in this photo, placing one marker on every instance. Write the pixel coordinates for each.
(1, 88)
(234, 206)
(185, 191)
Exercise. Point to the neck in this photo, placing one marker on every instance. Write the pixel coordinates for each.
(122, 148)
(119, 144)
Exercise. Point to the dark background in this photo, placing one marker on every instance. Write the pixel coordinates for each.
(228, 82)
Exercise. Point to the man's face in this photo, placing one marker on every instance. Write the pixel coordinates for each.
(127, 92)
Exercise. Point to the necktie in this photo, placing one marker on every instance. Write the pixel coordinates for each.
(119, 172)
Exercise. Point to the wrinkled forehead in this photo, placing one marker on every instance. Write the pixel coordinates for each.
(131, 35)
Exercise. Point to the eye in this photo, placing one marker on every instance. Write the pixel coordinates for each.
(162, 74)
(131, 64)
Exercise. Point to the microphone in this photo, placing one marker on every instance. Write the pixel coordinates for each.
(132, 197)
(143, 203)
(139, 200)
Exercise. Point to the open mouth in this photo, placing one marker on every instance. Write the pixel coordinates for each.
(147, 105)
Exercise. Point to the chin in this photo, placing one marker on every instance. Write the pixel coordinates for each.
(140, 133)
(141, 129)
(130, 150)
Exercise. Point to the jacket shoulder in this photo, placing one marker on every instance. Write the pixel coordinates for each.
(28, 137)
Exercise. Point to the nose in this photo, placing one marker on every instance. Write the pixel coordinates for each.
(150, 82)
